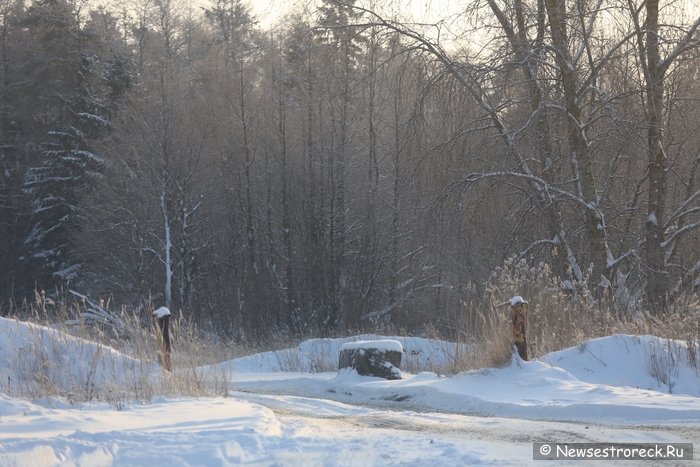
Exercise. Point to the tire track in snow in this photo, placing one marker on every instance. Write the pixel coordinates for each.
(328, 414)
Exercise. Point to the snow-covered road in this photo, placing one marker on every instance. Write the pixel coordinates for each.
(260, 429)
(389, 435)
(466, 428)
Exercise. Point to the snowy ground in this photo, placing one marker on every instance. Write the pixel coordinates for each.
(614, 389)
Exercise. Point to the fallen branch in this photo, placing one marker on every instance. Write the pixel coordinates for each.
(96, 314)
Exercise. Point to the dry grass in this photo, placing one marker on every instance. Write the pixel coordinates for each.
(47, 366)
(558, 319)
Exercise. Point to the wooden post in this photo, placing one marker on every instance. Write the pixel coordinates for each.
(165, 346)
(519, 307)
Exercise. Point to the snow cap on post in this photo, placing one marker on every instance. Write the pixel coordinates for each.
(161, 312)
(517, 300)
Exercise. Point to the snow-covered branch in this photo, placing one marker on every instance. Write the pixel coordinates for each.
(614, 262)
(532, 246)
(95, 313)
(687, 43)
(680, 211)
(679, 233)
(690, 276)
(475, 177)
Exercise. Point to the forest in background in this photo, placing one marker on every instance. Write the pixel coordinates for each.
(347, 169)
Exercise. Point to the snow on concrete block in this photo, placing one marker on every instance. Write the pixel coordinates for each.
(382, 344)
(380, 358)
(161, 312)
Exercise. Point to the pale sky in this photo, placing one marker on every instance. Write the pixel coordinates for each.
(268, 11)
(421, 11)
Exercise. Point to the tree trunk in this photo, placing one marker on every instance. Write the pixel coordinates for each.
(581, 157)
(250, 229)
(167, 256)
(657, 279)
(293, 320)
(527, 60)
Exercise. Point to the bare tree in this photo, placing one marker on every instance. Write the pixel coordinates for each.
(649, 33)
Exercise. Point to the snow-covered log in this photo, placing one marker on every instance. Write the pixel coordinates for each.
(380, 358)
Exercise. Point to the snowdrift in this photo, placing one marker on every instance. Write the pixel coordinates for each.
(319, 355)
(622, 378)
(38, 360)
(644, 362)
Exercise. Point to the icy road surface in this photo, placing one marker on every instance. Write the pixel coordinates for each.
(258, 429)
